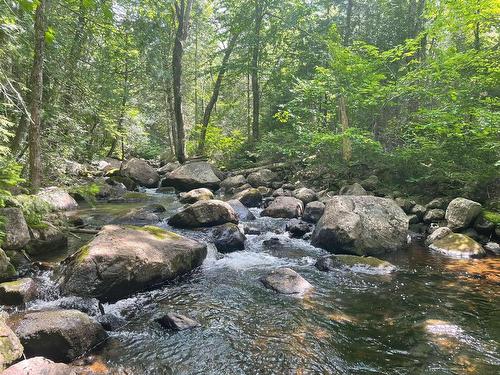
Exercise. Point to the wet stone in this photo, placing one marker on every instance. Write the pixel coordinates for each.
(177, 322)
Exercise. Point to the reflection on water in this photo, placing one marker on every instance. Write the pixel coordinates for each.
(434, 315)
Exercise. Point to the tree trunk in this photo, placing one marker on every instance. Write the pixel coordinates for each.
(36, 88)
(215, 94)
(348, 19)
(344, 121)
(255, 71)
(182, 12)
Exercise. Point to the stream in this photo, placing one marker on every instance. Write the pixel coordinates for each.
(434, 315)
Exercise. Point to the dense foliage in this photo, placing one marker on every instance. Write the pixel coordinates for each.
(404, 88)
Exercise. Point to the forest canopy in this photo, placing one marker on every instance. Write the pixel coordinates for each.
(336, 89)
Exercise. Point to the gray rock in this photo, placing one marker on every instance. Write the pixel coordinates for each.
(461, 213)
(58, 199)
(196, 195)
(418, 210)
(45, 239)
(60, 335)
(242, 212)
(124, 260)
(354, 189)
(7, 270)
(111, 322)
(193, 175)
(357, 263)
(177, 322)
(280, 192)
(305, 195)
(169, 167)
(249, 197)
(405, 204)
(284, 207)
(87, 305)
(204, 214)
(265, 191)
(233, 182)
(458, 245)
(16, 230)
(141, 172)
(370, 183)
(438, 234)
(228, 238)
(483, 226)
(298, 228)
(18, 292)
(492, 247)
(286, 281)
(413, 219)
(434, 215)
(40, 366)
(263, 177)
(313, 211)
(361, 225)
(10, 346)
(441, 203)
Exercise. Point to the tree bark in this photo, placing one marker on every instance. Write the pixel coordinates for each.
(36, 88)
(344, 121)
(255, 71)
(348, 19)
(215, 94)
(182, 12)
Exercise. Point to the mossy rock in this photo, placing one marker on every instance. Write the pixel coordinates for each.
(458, 245)
(7, 270)
(354, 262)
(156, 231)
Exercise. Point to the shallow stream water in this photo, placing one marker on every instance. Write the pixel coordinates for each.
(434, 315)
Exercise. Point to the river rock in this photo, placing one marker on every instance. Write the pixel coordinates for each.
(354, 189)
(298, 228)
(284, 207)
(141, 172)
(492, 247)
(370, 183)
(405, 204)
(242, 212)
(263, 177)
(228, 238)
(129, 183)
(419, 211)
(361, 225)
(40, 366)
(249, 197)
(177, 322)
(484, 226)
(193, 175)
(124, 260)
(313, 211)
(10, 346)
(434, 215)
(58, 199)
(204, 214)
(16, 230)
(233, 182)
(169, 167)
(458, 245)
(440, 203)
(45, 239)
(280, 192)
(18, 292)
(438, 234)
(305, 195)
(87, 305)
(196, 195)
(60, 335)
(265, 191)
(362, 264)
(7, 270)
(286, 281)
(461, 213)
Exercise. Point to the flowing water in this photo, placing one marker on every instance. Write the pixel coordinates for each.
(434, 315)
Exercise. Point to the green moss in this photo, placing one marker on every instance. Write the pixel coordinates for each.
(352, 260)
(34, 209)
(157, 232)
(134, 195)
(491, 216)
(82, 254)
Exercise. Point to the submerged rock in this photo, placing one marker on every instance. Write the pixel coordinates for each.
(177, 322)
(124, 260)
(284, 207)
(137, 216)
(16, 230)
(18, 292)
(60, 335)
(58, 199)
(361, 225)
(362, 264)
(458, 245)
(204, 214)
(195, 195)
(87, 305)
(10, 346)
(228, 238)
(263, 177)
(313, 211)
(286, 281)
(242, 212)
(193, 175)
(250, 197)
(111, 322)
(461, 213)
(40, 366)
(141, 172)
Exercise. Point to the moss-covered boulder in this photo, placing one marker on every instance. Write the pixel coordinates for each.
(355, 263)
(7, 270)
(10, 346)
(122, 260)
(17, 292)
(458, 245)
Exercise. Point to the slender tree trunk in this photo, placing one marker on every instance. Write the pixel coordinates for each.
(255, 71)
(182, 11)
(215, 94)
(36, 88)
(21, 132)
(344, 122)
(348, 21)
(249, 117)
(477, 28)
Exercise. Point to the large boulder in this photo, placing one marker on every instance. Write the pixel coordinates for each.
(16, 230)
(458, 245)
(305, 195)
(286, 281)
(10, 346)
(204, 214)
(123, 260)
(40, 366)
(46, 238)
(58, 199)
(354, 189)
(285, 207)
(361, 225)
(313, 211)
(461, 213)
(233, 182)
(18, 292)
(193, 175)
(242, 212)
(196, 195)
(169, 167)
(228, 238)
(263, 177)
(141, 172)
(7, 270)
(250, 197)
(60, 335)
